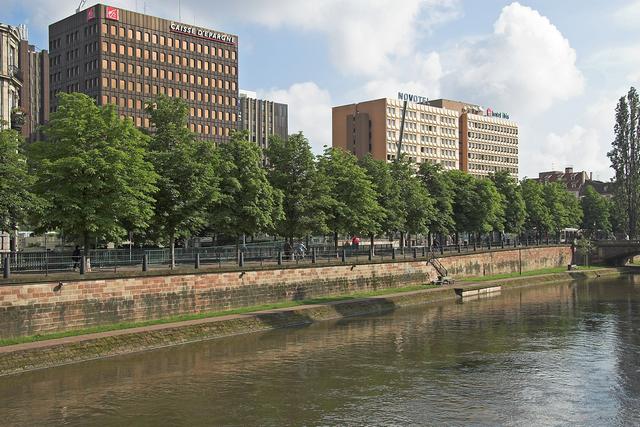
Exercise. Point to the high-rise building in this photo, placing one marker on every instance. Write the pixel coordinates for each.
(10, 75)
(488, 139)
(373, 127)
(34, 95)
(126, 58)
(262, 118)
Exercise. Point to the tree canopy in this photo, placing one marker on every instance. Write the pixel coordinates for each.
(292, 171)
(92, 172)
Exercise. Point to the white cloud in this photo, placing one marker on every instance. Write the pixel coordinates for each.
(421, 77)
(363, 35)
(525, 65)
(309, 111)
(628, 15)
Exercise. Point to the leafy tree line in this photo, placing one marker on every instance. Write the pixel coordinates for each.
(97, 178)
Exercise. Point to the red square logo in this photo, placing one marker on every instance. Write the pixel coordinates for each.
(113, 13)
(91, 14)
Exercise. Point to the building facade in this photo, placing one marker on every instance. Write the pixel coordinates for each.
(10, 75)
(373, 127)
(577, 182)
(34, 94)
(488, 140)
(262, 118)
(126, 59)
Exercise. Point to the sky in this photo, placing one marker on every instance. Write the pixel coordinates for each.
(557, 67)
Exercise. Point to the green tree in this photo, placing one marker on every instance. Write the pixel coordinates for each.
(353, 207)
(512, 202)
(625, 159)
(249, 204)
(188, 183)
(596, 212)
(292, 171)
(440, 188)
(17, 200)
(488, 214)
(564, 208)
(418, 207)
(92, 172)
(464, 199)
(538, 219)
(388, 194)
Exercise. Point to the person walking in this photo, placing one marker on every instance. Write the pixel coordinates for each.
(76, 257)
(355, 243)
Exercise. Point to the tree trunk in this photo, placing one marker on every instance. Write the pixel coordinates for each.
(335, 239)
(85, 248)
(373, 249)
(172, 251)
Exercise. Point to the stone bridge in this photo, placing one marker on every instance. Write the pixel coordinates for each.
(615, 252)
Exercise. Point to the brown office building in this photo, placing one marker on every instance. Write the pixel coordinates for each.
(373, 127)
(126, 58)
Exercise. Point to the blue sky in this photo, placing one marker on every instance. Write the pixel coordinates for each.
(557, 67)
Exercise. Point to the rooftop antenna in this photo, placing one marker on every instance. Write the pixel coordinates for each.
(144, 7)
(180, 10)
(81, 5)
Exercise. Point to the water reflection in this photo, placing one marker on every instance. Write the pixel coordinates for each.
(561, 354)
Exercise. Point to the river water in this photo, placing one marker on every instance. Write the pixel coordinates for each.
(545, 355)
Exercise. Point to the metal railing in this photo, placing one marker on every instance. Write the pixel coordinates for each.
(247, 257)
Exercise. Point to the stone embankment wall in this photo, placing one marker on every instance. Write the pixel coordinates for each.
(29, 309)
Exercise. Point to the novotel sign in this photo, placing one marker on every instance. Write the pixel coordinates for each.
(500, 115)
(202, 33)
(412, 98)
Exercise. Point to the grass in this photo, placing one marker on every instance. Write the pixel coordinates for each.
(205, 315)
(524, 274)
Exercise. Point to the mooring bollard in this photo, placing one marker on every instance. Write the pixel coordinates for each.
(314, 256)
(83, 264)
(145, 262)
(393, 253)
(197, 265)
(6, 268)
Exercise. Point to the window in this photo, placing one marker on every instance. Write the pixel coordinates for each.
(112, 30)
(121, 32)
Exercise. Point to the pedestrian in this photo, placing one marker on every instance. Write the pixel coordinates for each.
(355, 242)
(287, 249)
(76, 257)
(300, 250)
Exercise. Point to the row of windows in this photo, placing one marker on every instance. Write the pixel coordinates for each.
(205, 129)
(139, 104)
(154, 89)
(167, 41)
(423, 116)
(492, 168)
(495, 138)
(492, 147)
(167, 58)
(494, 128)
(490, 158)
(423, 150)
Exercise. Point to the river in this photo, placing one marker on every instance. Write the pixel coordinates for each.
(544, 355)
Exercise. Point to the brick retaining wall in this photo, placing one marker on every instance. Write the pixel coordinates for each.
(29, 309)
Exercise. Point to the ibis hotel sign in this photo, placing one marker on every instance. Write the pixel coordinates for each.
(500, 115)
(202, 33)
(412, 98)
